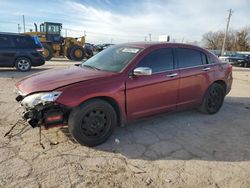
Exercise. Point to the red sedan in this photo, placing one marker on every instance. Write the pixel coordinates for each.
(123, 83)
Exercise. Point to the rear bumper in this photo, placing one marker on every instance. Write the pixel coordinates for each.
(229, 83)
(39, 61)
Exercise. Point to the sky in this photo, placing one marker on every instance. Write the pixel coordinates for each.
(115, 21)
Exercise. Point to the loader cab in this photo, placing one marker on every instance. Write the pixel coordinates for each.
(53, 31)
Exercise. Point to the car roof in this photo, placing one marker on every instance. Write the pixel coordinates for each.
(152, 44)
(13, 34)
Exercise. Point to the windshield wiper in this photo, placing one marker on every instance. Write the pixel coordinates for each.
(92, 67)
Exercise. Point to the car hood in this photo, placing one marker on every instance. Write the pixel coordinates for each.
(56, 78)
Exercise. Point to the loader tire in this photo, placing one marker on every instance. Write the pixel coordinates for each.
(48, 52)
(76, 53)
(68, 53)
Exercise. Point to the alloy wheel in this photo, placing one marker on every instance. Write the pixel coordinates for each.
(23, 64)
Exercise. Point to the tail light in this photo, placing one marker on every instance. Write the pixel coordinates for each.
(39, 49)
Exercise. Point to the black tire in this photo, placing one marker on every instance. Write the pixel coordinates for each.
(23, 64)
(92, 123)
(68, 57)
(68, 53)
(76, 53)
(89, 53)
(213, 99)
(48, 52)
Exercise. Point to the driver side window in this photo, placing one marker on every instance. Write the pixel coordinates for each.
(159, 60)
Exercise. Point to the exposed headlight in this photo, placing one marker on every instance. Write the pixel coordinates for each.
(40, 98)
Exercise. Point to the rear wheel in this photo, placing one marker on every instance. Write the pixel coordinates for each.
(213, 99)
(93, 122)
(23, 64)
(48, 52)
(76, 53)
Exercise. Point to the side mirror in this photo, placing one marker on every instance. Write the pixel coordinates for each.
(142, 71)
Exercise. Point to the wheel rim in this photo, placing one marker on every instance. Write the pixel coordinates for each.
(23, 64)
(78, 53)
(214, 99)
(95, 123)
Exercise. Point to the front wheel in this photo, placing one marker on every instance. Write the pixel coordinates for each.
(92, 122)
(213, 99)
(77, 53)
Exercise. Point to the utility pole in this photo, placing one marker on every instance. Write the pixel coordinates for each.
(23, 24)
(145, 39)
(225, 36)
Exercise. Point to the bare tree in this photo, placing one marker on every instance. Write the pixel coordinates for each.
(236, 40)
(242, 40)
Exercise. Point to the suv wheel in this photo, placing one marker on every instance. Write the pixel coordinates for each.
(213, 99)
(23, 64)
(92, 122)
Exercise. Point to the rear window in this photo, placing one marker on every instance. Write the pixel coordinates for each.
(189, 57)
(37, 42)
(204, 58)
(5, 41)
(24, 41)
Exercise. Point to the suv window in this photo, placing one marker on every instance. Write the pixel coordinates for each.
(5, 41)
(23, 41)
(158, 60)
(189, 57)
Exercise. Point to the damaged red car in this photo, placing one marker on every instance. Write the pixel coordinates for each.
(123, 83)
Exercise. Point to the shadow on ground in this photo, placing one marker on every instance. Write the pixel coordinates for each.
(13, 73)
(186, 135)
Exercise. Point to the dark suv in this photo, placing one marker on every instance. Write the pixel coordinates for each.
(20, 51)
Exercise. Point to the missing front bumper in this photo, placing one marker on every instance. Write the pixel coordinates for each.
(49, 117)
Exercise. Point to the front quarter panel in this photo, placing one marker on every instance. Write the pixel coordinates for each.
(75, 94)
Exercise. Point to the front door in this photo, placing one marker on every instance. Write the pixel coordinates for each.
(149, 94)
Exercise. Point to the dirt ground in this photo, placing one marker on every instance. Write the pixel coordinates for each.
(182, 149)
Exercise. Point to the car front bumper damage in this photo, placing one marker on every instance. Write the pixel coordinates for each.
(48, 115)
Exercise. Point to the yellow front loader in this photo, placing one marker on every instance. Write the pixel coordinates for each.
(57, 46)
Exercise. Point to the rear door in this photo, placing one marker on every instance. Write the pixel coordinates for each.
(7, 51)
(146, 95)
(195, 76)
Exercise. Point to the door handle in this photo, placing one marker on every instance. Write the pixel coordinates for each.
(206, 69)
(172, 75)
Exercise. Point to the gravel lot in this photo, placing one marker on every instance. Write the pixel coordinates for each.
(182, 149)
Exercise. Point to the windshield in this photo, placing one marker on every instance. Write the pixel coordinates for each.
(112, 59)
